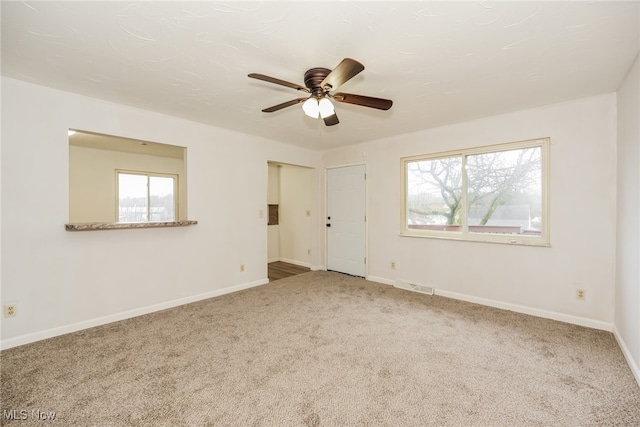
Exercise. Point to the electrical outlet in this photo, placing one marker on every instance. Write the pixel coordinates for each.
(393, 265)
(580, 294)
(241, 267)
(10, 310)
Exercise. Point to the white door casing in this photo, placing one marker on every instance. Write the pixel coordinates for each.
(346, 220)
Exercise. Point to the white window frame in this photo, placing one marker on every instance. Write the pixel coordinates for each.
(148, 175)
(464, 234)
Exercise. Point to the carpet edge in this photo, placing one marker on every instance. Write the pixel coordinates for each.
(627, 354)
(8, 343)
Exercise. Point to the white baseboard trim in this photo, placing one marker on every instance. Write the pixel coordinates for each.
(295, 262)
(318, 268)
(276, 259)
(561, 317)
(627, 354)
(538, 312)
(74, 327)
(381, 280)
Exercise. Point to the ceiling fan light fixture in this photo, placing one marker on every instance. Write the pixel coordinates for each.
(311, 107)
(318, 84)
(326, 108)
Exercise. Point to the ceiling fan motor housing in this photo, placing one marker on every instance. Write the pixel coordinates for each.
(313, 80)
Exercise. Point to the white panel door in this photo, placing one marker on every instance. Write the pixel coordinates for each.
(346, 219)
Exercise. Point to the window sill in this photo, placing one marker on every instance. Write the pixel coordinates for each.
(483, 238)
(95, 226)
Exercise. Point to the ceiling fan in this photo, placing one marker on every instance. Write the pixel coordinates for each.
(320, 82)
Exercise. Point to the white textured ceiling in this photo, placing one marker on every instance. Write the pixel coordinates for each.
(440, 62)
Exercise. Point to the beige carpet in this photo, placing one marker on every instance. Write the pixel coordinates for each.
(324, 349)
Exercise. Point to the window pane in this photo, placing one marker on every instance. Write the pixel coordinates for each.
(132, 198)
(162, 206)
(504, 192)
(434, 189)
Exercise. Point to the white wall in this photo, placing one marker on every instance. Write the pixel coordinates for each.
(297, 195)
(65, 281)
(537, 280)
(627, 301)
(92, 181)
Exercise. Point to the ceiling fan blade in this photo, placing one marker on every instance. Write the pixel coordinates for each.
(278, 82)
(343, 72)
(365, 101)
(331, 120)
(284, 105)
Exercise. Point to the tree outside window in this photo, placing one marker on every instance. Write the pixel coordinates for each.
(497, 190)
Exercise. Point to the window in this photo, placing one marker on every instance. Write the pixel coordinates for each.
(494, 194)
(144, 197)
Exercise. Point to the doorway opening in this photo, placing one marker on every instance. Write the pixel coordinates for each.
(290, 200)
